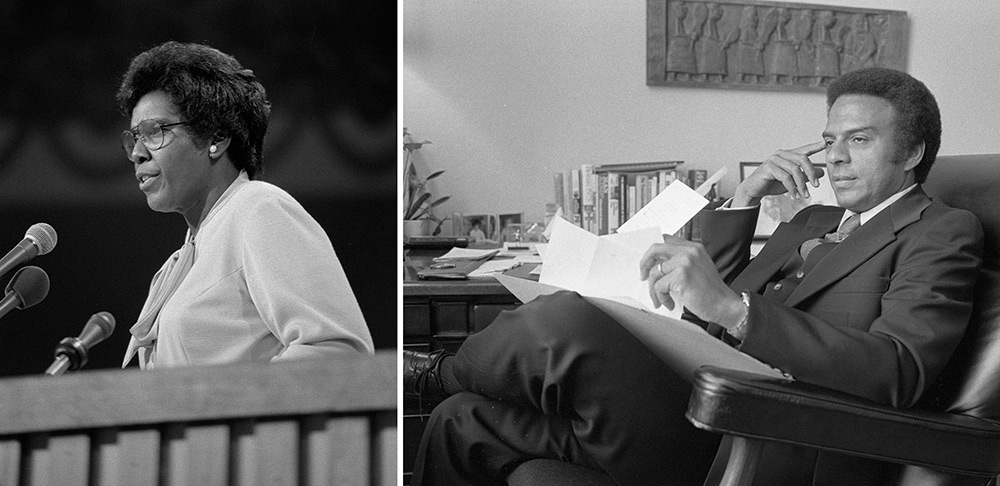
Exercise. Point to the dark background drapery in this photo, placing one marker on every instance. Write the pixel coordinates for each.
(330, 71)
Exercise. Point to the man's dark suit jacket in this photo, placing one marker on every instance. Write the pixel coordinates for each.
(878, 317)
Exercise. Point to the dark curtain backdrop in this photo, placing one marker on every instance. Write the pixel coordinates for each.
(330, 71)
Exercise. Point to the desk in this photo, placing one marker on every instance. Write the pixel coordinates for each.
(440, 314)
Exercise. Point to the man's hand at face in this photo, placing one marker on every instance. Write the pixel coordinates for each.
(785, 171)
(680, 271)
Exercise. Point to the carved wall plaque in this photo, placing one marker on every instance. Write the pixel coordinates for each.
(767, 45)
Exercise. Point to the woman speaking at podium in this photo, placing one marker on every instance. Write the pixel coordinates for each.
(257, 278)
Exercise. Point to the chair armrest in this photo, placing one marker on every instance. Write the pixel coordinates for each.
(759, 407)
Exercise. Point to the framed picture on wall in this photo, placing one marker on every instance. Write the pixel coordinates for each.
(768, 45)
(781, 209)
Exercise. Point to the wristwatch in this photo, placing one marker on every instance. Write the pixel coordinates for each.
(739, 331)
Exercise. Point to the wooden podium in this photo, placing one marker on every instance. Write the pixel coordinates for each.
(323, 422)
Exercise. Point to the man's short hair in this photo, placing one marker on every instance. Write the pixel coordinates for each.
(917, 116)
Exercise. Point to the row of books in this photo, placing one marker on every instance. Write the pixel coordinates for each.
(600, 198)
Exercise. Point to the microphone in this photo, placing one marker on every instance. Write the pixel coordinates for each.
(38, 240)
(72, 352)
(27, 287)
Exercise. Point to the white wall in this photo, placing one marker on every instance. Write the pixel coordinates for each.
(510, 91)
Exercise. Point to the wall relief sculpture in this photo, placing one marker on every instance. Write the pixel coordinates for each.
(767, 45)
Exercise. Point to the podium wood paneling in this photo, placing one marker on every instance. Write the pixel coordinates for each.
(315, 422)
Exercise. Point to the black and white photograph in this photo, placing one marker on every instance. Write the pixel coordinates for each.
(199, 204)
(825, 311)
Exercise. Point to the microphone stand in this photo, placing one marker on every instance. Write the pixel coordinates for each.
(70, 355)
(58, 366)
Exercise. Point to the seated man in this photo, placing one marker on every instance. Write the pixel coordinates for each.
(876, 314)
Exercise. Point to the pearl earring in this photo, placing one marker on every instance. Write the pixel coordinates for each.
(213, 149)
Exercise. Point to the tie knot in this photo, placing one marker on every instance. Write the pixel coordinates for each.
(850, 224)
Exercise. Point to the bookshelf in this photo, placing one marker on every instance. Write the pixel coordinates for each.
(599, 198)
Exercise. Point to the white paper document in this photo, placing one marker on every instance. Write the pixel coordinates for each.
(670, 210)
(605, 271)
(466, 254)
(684, 346)
(493, 268)
(599, 266)
(712, 180)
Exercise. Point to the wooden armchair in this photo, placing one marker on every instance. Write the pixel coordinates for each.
(952, 437)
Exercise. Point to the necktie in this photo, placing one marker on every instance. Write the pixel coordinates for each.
(850, 224)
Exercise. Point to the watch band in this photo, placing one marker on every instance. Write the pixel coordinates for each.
(739, 331)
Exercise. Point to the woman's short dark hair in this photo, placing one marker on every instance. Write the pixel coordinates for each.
(917, 116)
(215, 94)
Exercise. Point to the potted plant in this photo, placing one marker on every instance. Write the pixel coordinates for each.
(418, 203)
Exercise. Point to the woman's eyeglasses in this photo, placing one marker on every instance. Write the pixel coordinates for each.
(150, 132)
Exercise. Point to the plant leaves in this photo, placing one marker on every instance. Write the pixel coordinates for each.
(439, 201)
(427, 210)
(418, 215)
(415, 206)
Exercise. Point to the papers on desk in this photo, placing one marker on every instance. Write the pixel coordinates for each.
(457, 264)
(466, 254)
(493, 268)
(496, 267)
(605, 270)
(495, 261)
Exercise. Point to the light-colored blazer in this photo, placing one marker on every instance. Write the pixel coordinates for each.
(266, 285)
